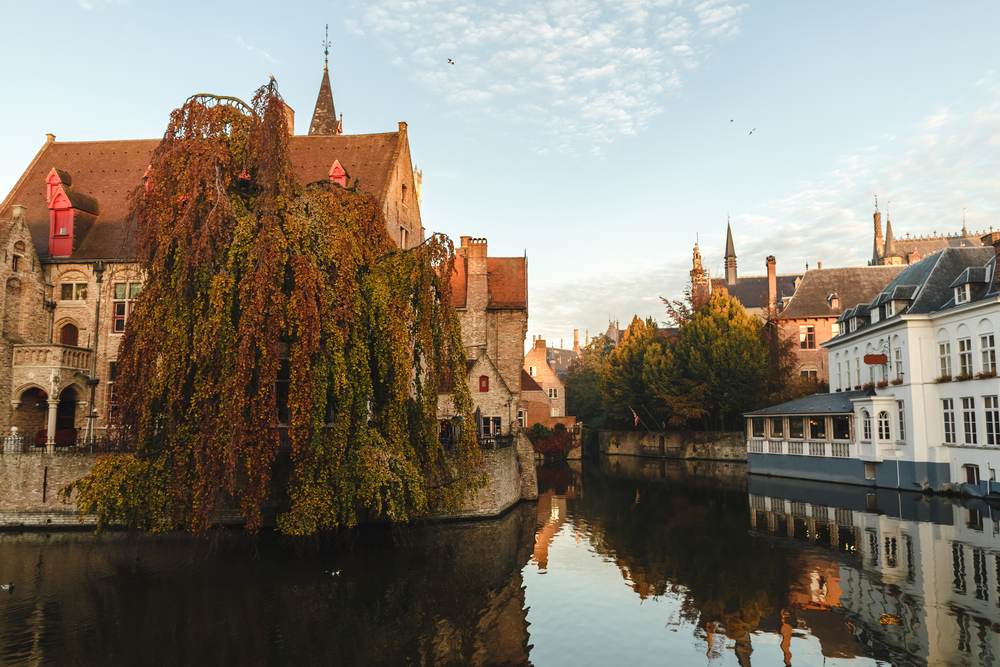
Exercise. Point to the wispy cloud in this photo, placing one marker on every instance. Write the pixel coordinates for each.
(946, 162)
(584, 71)
(242, 43)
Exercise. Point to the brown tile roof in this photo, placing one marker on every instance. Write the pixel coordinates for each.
(458, 283)
(108, 171)
(528, 383)
(853, 285)
(507, 282)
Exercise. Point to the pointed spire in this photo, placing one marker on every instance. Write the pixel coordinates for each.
(890, 241)
(730, 255)
(965, 228)
(324, 119)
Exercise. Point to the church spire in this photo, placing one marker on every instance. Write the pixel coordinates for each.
(730, 255)
(324, 120)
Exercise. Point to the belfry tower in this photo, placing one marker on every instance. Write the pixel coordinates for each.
(324, 119)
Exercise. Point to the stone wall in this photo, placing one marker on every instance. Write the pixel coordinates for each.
(30, 485)
(502, 489)
(685, 445)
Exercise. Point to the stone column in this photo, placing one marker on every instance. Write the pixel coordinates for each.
(50, 443)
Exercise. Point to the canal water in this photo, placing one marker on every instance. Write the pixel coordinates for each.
(622, 561)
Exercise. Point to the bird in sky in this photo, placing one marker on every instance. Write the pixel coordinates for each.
(730, 120)
(751, 131)
(450, 61)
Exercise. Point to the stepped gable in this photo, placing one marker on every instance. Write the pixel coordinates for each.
(108, 171)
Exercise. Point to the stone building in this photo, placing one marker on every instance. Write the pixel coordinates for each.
(536, 363)
(69, 264)
(890, 251)
(491, 297)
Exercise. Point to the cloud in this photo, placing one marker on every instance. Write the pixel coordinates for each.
(601, 69)
(242, 43)
(925, 177)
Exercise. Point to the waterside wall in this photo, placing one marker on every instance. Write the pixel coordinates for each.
(674, 445)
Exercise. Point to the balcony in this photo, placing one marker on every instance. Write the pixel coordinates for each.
(62, 357)
(838, 449)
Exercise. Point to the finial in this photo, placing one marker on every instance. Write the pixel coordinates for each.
(326, 45)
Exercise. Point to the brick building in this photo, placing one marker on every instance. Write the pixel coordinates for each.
(890, 251)
(69, 265)
(491, 297)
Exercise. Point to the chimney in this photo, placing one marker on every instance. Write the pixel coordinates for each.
(540, 343)
(290, 119)
(772, 286)
(819, 264)
(576, 341)
(49, 137)
(993, 239)
(477, 273)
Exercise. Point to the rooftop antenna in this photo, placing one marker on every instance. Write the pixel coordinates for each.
(876, 201)
(326, 45)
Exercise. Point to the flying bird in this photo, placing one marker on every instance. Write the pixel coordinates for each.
(751, 131)
(730, 120)
(450, 61)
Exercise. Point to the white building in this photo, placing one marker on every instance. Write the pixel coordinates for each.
(913, 397)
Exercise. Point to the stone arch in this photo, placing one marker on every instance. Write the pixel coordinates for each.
(30, 413)
(985, 326)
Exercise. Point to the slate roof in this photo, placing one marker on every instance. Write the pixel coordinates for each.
(108, 171)
(559, 360)
(837, 403)
(928, 246)
(751, 291)
(324, 119)
(852, 286)
(934, 275)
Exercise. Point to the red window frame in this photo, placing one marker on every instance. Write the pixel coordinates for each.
(484, 383)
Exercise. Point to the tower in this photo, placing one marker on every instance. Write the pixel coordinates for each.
(889, 254)
(730, 256)
(324, 119)
(699, 279)
(877, 245)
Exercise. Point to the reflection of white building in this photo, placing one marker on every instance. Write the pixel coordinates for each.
(930, 590)
(913, 387)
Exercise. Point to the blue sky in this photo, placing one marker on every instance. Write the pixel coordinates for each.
(598, 137)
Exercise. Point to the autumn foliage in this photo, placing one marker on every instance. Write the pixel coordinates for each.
(279, 328)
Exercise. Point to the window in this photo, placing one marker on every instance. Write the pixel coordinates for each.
(554, 412)
(807, 337)
(484, 383)
(841, 427)
(866, 425)
(796, 429)
(869, 471)
(883, 425)
(73, 292)
(897, 360)
(902, 420)
(817, 428)
(944, 355)
(777, 427)
(404, 235)
(971, 473)
(522, 418)
(124, 299)
(992, 420)
(112, 397)
(69, 335)
(891, 552)
(857, 369)
(15, 263)
(958, 567)
(809, 374)
(962, 293)
(532, 370)
(979, 571)
(835, 329)
(890, 309)
(489, 427)
(553, 392)
(838, 376)
(847, 376)
(969, 419)
(965, 357)
(986, 342)
(948, 407)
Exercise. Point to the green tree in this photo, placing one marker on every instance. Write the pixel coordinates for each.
(585, 398)
(626, 391)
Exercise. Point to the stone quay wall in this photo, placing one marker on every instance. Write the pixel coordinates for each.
(722, 446)
(30, 485)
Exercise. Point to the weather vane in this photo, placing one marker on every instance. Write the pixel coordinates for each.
(326, 44)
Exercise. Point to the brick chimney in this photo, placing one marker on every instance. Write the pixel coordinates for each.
(289, 119)
(576, 341)
(475, 251)
(772, 286)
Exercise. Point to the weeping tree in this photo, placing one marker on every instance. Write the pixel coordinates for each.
(279, 327)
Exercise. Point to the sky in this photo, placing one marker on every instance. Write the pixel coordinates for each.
(601, 139)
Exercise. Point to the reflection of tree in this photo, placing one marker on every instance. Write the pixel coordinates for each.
(445, 594)
(690, 540)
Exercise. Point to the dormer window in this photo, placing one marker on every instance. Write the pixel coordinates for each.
(853, 324)
(962, 294)
(890, 308)
(874, 315)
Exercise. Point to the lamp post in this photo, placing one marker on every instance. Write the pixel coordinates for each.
(93, 381)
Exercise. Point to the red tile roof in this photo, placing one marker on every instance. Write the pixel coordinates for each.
(108, 171)
(528, 383)
(507, 283)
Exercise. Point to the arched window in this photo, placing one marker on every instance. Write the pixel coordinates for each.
(866, 425)
(484, 383)
(69, 335)
(883, 425)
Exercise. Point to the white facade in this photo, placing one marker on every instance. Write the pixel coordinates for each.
(923, 418)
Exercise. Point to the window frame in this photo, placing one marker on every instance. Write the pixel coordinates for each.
(76, 293)
(884, 426)
(988, 352)
(866, 425)
(965, 356)
(969, 426)
(950, 427)
(123, 304)
(991, 403)
(944, 359)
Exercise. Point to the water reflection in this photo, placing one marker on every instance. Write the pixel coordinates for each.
(445, 594)
(622, 561)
